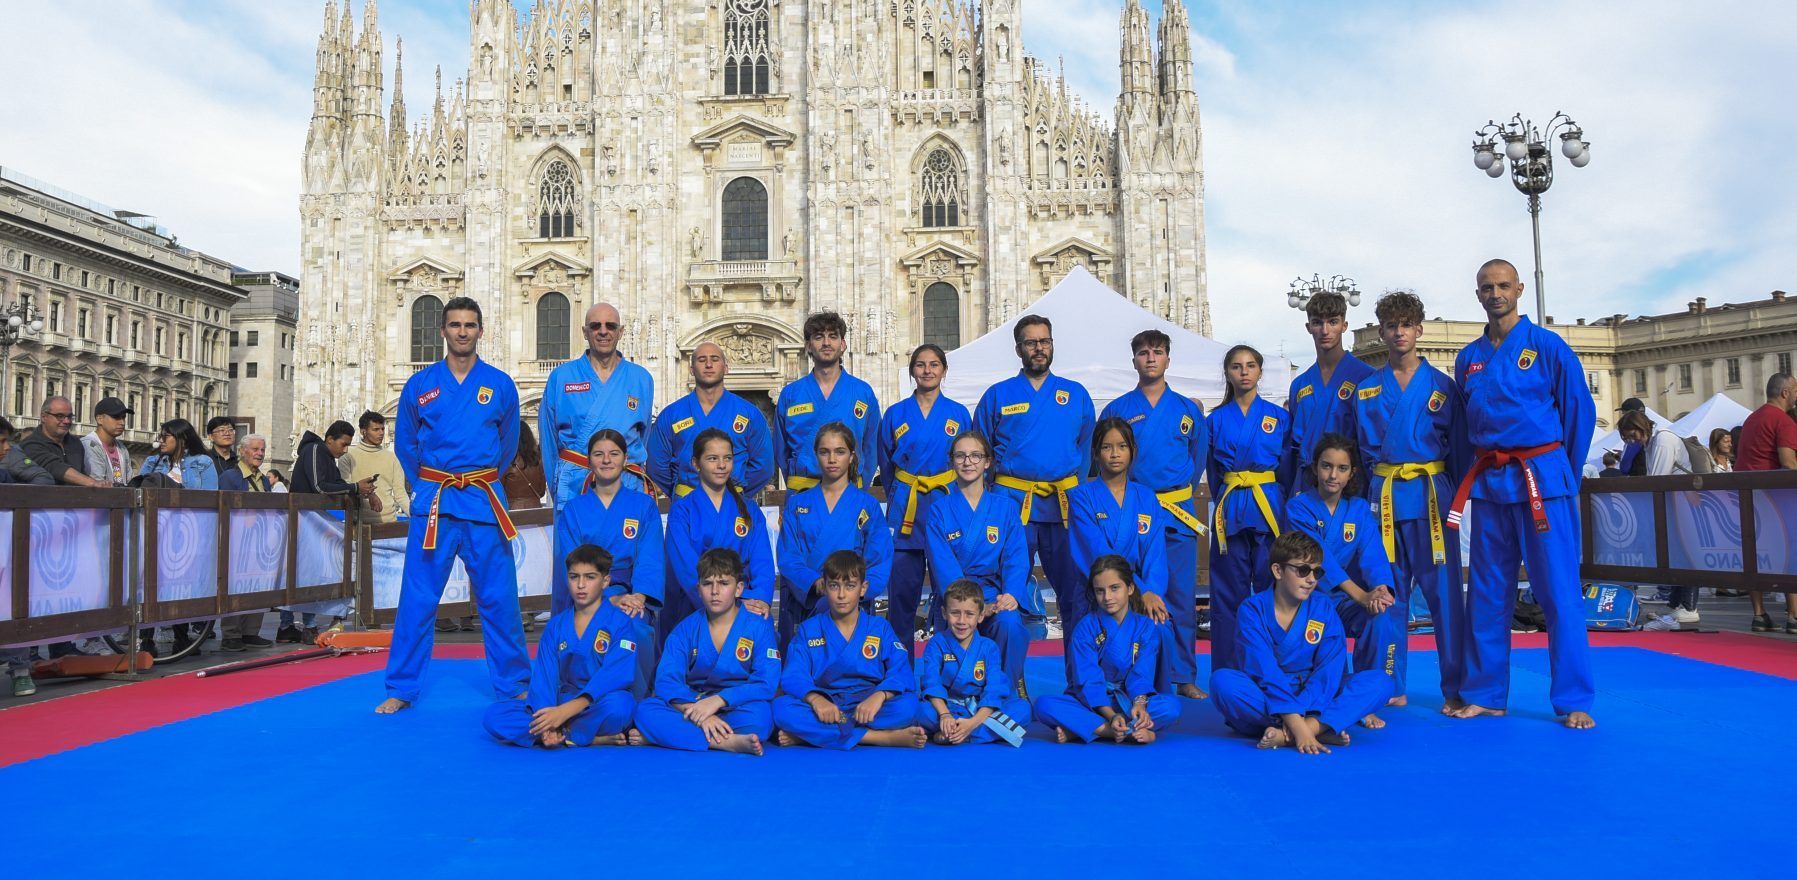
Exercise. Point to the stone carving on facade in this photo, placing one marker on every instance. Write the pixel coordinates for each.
(746, 348)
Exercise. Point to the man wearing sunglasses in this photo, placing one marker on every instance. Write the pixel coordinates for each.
(598, 389)
(54, 446)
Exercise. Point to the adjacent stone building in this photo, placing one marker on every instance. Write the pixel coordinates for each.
(127, 312)
(721, 168)
(263, 339)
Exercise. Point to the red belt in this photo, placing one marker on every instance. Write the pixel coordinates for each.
(482, 479)
(569, 456)
(1492, 459)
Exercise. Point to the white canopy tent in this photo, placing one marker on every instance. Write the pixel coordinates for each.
(1092, 328)
(1717, 412)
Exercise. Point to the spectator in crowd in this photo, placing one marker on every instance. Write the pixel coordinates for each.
(1768, 443)
(244, 631)
(223, 434)
(1610, 469)
(1665, 455)
(16, 465)
(55, 448)
(108, 461)
(181, 457)
(526, 483)
(1633, 462)
(315, 472)
(370, 456)
(15, 662)
(1722, 451)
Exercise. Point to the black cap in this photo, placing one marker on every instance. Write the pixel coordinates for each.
(1631, 405)
(112, 406)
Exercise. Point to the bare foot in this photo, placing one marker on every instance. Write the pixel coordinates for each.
(741, 744)
(1579, 721)
(912, 737)
(1474, 710)
(1372, 722)
(1144, 737)
(633, 737)
(1062, 736)
(1274, 738)
(1399, 700)
(786, 739)
(1192, 692)
(1334, 737)
(616, 739)
(391, 705)
(940, 740)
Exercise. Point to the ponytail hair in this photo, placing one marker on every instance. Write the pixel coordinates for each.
(848, 437)
(1114, 563)
(1229, 389)
(730, 487)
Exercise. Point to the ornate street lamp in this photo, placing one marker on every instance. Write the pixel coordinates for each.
(1531, 168)
(16, 320)
(1301, 291)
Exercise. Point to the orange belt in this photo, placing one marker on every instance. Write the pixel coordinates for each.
(482, 479)
(569, 456)
(1492, 459)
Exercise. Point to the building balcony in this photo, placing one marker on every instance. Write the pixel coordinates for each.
(742, 281)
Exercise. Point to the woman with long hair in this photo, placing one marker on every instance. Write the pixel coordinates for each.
(1248, 446)
(830, 516)
(716, 515)
(915, 435)
(181, 457)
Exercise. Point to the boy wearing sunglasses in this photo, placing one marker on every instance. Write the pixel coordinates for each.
(1292, 687)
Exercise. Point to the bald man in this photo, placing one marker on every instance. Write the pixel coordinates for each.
(710, 406)
(599, 389)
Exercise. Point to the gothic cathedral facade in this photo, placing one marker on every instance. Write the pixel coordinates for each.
(718, 169)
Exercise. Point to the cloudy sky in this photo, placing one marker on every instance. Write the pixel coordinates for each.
(1337, 136)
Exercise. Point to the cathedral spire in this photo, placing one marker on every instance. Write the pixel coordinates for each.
(396, 117)
(1177, 95)
(1136, 63)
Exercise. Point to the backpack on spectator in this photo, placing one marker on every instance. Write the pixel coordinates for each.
(1701, 463)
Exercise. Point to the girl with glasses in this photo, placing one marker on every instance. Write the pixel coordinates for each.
(975, 534)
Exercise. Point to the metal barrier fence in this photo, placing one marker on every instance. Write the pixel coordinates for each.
(83, 562)
(1731, 531)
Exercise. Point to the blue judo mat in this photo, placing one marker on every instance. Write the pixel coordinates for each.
(1688, 774)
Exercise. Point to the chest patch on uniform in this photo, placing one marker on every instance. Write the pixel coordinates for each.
(602, 642)
(1185, 424)
(1269, 424)
(429, 396)
(1370, 393)
(814, 643)
(1143, 521)
(773, 654)
(1061, 397)
(485, 395)
(737, 425)
(870, 647)
(1526, 359)
(576, 387)
(1348, 532)
(951, 427)
(630, 527)
(1475, 368)
(683, 424)
(979, 670)
(630, 402)
(798, 410)
(992, 534)
(1135, 650)
(1304, 392)
(1436, 401)
(861, 521)
(900, 432)
(744, 650)
(860, 409)
(741, 527)
(1313, 632)
(1346, 391)
(1015, 409)
(953, 535)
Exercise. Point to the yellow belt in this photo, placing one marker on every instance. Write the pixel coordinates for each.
(800, 484)
(682, 490)
(1044, 488)
(1253, 481)
(1173, 502)
(1387, 530)
(920, 485)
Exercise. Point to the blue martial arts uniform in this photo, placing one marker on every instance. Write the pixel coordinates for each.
(1529, 418)
(802, 409)
(599, 664)
(576, 404)
(810, 531)
(1114, 662)
(1295, 670)
(1172, 444)
(969, 678)
(1319, 408)
(1351, 551)
(1245, 457)
(454, 440)
(1413, 445)
(1042, 446)
(984, 544)
(630, 530)
(915, 469)
(681, 422)
(695, 525)
(1134, 530)
(744, 671)
(846, 671)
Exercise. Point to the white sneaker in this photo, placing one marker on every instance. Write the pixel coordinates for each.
(1663, 623)
(1684, 615)
(543, 617)
(1053, 625)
